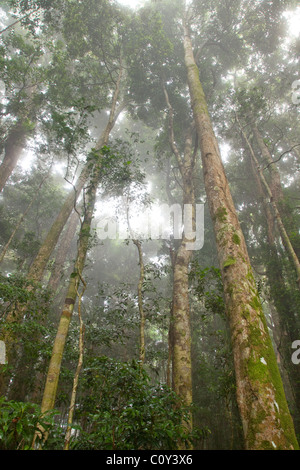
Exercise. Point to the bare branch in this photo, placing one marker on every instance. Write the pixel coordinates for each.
(279, 158)
(19, 20)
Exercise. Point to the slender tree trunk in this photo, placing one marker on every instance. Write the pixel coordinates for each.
(39, 265)
(282, 230)
(287, 329)
(260, 194)
(275, 181)
(84, 235)
(170, 332)
(275, 187)
(62, 252)
(52, 379)
(170, 351)
(181, 329)
(142, 352)
(77, 372)
(180, 319)
(66, 315)
(137, 243)
(264, 412)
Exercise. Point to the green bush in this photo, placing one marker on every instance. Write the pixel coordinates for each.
(122, 410)
(18, 423)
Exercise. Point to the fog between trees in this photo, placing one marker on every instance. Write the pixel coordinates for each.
(149, 225)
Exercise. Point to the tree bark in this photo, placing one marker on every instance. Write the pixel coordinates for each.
(13, 148)
(62, 252)
(180, 329)
(264, 412)
(66, 315)
(77, 372)
(275, 181)
(39, 265)
(282, 230)
(276, 189)
(51, 385)
(142, 353)
(286, 329)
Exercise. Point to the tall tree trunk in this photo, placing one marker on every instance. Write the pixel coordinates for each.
(275, 181)
(264, 412)
(62, 252)
(260, 195)
(275, 186)
(77, 372)
(39, 265)
(287, 327)
(180, 329)
(13, 148)
(18, 135)
(137, 243)
(170, 375)
(282, 230)
(66, 315)
(50, 389)
(142, 350)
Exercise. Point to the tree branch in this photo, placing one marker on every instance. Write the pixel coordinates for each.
(279, 158)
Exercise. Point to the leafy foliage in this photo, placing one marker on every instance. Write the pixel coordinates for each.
(18, 423)
(124, 411)
(14, 290)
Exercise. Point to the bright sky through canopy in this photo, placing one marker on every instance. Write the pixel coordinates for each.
(294, 21)
(292, 17)
(132, 3)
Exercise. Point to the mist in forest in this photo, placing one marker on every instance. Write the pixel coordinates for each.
(149, 225)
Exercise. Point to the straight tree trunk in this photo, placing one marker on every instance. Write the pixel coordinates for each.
(62, 252)
(260, 194)
(273, 201)
(278, 197)
(275, 180)
(17, 137)
(137, 243)
(266, 420)
(13, 148)
(286, 329)
(51, 385)
(39, 265)
(180, 329)
(142, 352)
(77, 372)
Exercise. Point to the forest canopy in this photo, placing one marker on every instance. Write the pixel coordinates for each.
(149, 225)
